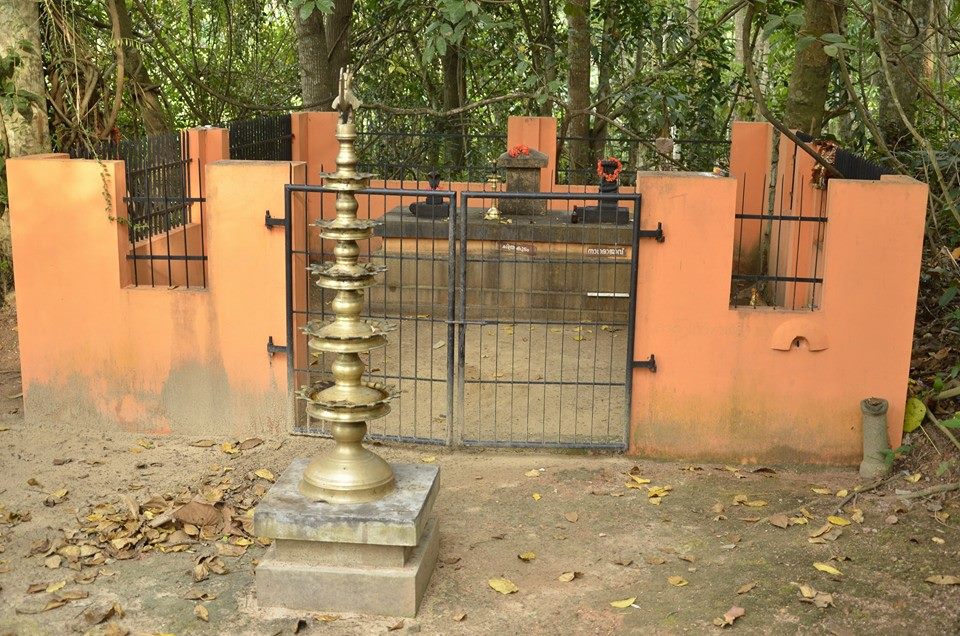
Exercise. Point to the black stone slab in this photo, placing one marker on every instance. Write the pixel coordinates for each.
(551, 227)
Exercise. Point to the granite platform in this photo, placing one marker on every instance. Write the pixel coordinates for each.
(371, 558)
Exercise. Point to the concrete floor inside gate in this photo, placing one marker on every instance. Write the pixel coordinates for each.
(524, 383)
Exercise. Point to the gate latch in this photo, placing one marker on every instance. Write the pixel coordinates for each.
(272, 222)
(649, 363)
(654, 234)
(274, 348)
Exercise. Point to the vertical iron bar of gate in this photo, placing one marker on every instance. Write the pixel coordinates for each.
(288, 276)
(461, 292)
(631, 318)
(451, 307)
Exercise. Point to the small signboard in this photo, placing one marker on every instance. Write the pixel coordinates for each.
(615, 251)
(526, 249)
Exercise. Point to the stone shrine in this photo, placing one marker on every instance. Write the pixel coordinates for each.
(436, 206)
(523, 166)
(351, 533)
(606, 211)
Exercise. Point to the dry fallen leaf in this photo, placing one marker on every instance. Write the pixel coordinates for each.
(571, 516)
(857, 515)
(838, 521)
(97, 615)
(428, 459)
(536, 496)
(532, 473)
(914, 478)
(53, 587)
(527, 556)
(566, 577)
(746, 587)
(829, 569)
(203, 443)
(396, 626)
(654, 560)
(201, 612)
(842, 493)
(677, 581)
(627, 602)
(504, 586)
(249, 443)
(229, 448)
(459, 616)
(943, 579)
(53, 561)
(822, 491)
(779, 520)
(327, 618)
(758, 503)
(820, 531)
(730, 616)
(263, 473)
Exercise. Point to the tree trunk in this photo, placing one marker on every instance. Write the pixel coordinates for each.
(608, 62)
(337, 30)
(24, 129)
(807, 91)
(146, 93)
(312, 55)
(454, 87)
(578, 88)
(903, 41)
(27, 132)
(323, 48)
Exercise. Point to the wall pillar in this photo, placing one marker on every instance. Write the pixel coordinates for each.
(751, 153)
(539, 133)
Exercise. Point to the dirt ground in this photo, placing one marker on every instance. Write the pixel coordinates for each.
(585, 521)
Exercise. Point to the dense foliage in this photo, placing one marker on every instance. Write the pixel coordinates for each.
(617, 74)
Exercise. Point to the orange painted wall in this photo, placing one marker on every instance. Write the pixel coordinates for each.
(99, 352)
(724, 389)
(730, 384)
(751, 150)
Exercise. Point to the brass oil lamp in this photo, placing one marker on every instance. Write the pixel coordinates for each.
(493, 213)
(348, 472)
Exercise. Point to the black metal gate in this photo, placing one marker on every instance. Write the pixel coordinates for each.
(514, 332)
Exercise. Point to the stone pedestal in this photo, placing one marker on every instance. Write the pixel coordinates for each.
(523, 175)
(369, 558)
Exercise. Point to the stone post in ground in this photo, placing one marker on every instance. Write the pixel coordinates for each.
(351, 533)
(875, 444)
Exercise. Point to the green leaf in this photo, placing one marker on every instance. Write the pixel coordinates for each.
(948, 296)
(913, 414)
(832, 38)
(306, 9)
(771, 25)
(831, 50)
(795, 18)
(804, 42)
(953, 422)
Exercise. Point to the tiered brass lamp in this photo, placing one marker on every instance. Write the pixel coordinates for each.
(348, 472)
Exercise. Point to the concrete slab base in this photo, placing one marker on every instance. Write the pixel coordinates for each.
(385, 591)
(370, 558)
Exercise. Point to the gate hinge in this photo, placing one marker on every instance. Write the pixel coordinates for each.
(649, 363)
(654, 234)
(275, 348)
(270, 222)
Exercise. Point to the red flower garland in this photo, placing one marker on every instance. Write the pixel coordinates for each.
(613, 176)
(519, 149)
